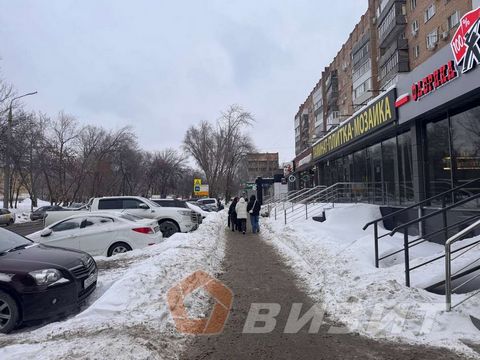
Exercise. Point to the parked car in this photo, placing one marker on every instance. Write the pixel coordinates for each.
(171, 203)
(101, 233)
(38, 282)
(178, 204)
(170, 220)
(208, 204)
(7, 217)
(39, 213)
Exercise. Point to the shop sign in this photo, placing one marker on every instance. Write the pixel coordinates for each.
(203, 191)
(433, 81)
(373, 117)
(305, 160)
(466, 41)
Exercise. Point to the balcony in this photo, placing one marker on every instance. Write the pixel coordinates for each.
(391, 23)
(396, 63)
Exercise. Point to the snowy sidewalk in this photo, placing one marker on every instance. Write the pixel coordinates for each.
(127, 316)
(256, 273)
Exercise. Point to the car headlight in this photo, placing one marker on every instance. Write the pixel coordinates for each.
(46, 276)
(185, 212)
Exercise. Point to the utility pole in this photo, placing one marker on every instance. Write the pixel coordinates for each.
(8, 146)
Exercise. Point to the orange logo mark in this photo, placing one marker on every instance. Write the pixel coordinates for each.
(223, 302)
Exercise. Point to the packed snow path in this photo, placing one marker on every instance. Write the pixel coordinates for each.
(256, 273)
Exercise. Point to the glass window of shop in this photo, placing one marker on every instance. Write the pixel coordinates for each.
(437, 160)
(390, 172)
(405, 169)
(465, 134)
(453, 152)
(375, 186)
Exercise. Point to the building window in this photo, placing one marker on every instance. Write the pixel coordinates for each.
(415, 28)
(432, 39)
(413, 4)
(357, 74)
(362, 89)
(453, 20)
(429, 12)
(416, 51)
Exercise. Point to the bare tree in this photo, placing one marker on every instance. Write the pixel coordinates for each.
(218, 149)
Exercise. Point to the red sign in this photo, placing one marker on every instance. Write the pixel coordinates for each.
(433, 81)
(465, 42)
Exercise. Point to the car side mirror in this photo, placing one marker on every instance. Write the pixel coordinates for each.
(46, 232)
(143, 206)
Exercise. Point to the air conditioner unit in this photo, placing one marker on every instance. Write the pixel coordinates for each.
(445, 35)
(432, 47)
(415, 33)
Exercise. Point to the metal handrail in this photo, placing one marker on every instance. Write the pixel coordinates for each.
(448, 265)
(332, 192)
(420, 203)
(437, 212)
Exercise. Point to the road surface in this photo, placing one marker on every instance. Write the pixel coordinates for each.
(25, 228)
(257, 274)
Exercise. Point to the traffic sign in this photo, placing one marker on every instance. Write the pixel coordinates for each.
(292, 178)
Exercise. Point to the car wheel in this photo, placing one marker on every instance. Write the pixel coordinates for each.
(168, 228)
(9, 314)
(118, 248)
(10, 222)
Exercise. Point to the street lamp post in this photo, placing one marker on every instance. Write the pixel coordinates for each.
(8, 145)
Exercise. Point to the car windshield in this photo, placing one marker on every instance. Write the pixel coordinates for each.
(210, 201)
(10, 240)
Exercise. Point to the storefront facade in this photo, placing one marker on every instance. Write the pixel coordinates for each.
(415, 140)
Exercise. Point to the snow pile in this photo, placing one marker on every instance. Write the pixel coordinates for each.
(127, 316)
(23, 210)
(335, 259)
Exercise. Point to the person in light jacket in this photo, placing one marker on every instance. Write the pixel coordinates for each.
(242, 214)
(253, 209)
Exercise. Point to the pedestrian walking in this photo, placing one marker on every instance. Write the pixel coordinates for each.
(253, 209)
(232, 215)
(242, 214)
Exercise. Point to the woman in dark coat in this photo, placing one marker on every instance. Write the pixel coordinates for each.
(253, 208)
(232, 214)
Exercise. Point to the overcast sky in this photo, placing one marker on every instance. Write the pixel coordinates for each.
(161, 66)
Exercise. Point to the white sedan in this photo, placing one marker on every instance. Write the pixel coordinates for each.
(101, 233)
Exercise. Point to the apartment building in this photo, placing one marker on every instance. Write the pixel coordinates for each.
(262, 164)
(412, 127)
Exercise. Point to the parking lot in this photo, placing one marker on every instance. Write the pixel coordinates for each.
(26, 228)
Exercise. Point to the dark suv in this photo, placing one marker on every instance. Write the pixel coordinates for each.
(39, 214)
(39, 282)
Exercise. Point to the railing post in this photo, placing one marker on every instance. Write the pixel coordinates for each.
(306, 211)
(448, 277)
(375, 235)
(285, 213)
(275, 213)
(407, 257)
(444, 218)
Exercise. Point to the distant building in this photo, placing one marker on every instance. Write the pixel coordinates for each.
(262, 164)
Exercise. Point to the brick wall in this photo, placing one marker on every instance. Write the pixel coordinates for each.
(443, 9)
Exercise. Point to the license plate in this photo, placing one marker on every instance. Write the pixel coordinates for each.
(90, 280)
